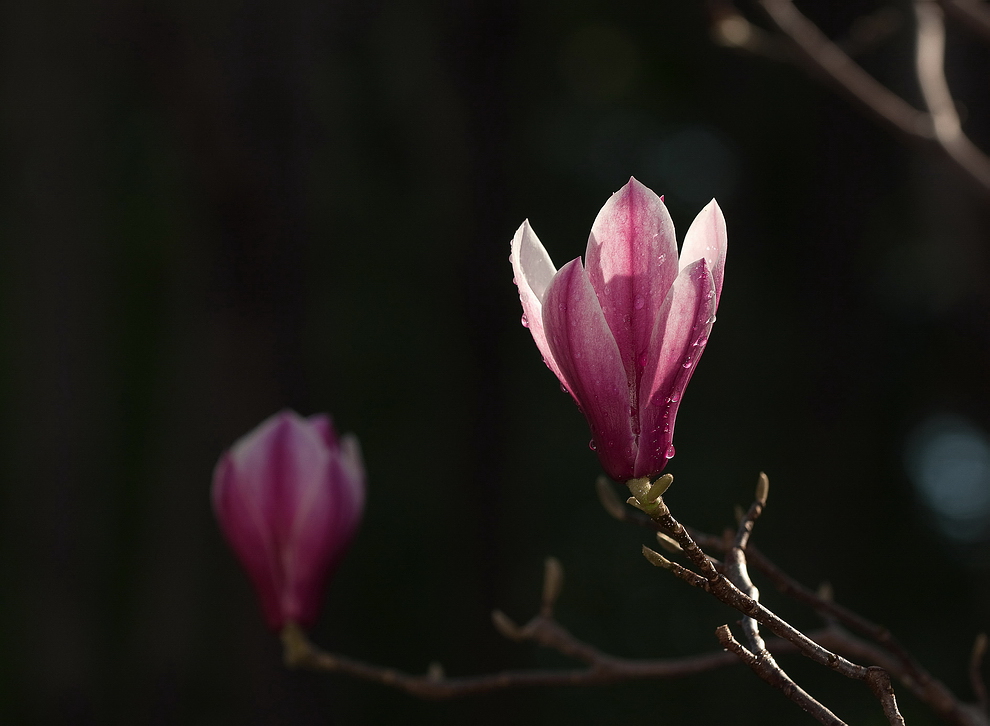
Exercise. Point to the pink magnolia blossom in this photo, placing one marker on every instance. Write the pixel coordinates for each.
(624, 331)
(289, 496)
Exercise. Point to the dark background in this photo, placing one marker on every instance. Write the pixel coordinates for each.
(210, 211)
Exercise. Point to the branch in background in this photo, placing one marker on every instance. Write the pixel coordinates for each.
(930, 67)
(937, 130)
(973, 14)
(543, 630)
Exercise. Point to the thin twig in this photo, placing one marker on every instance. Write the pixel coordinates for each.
(649, 499)
(929, 59)
(767, 669)
(824, 58)
(736, 569)
(974, 14)
(543, 630)
(757, 657)
(899, 662)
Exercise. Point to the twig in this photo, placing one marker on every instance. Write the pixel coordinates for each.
(757, 657)
(649, 499)
(769, 671)
(821, 56)
(895, 658)
(929, 61)
(736, 569)
(602, 668)
(974, 14)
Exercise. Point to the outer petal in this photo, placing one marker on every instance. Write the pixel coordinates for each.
(631, 262)
(677, 344)
(323, 425)
(286, 460)
(707, 239)
(242, 521)
(324, 523)
(589, 358)
(532, 271)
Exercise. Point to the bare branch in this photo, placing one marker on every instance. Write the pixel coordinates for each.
(647, 499)
(939, 130)
(543, 630)
(973, 14)
(823, 57)
(766, 668)
(929, 60)
(895, 658)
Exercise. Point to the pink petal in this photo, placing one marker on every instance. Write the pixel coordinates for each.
(242, 521)
(589, 358)
(323, 425)
(677, 344)
(632, 262)
(533, 271)
(707, 239)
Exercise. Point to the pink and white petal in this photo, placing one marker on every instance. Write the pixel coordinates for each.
(707, 239)
(532, 271)
(676, 346)
(631, 262)
(589, 358)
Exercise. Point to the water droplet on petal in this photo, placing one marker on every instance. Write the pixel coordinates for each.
(687, 363)
(674, 398)
(641, 360)
(562, 386)
(662, 258)
(639, 302)
(524, 321)
(592, 445)
(669, 453)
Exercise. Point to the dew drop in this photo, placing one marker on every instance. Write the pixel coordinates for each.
(641, 360)
(562, 386)
(674, 398)
(639, 302)
(669, 453)
(687, 363)
(592, 445)
(524, 321)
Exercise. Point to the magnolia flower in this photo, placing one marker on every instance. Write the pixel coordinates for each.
(624, 331)
(289, 497)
